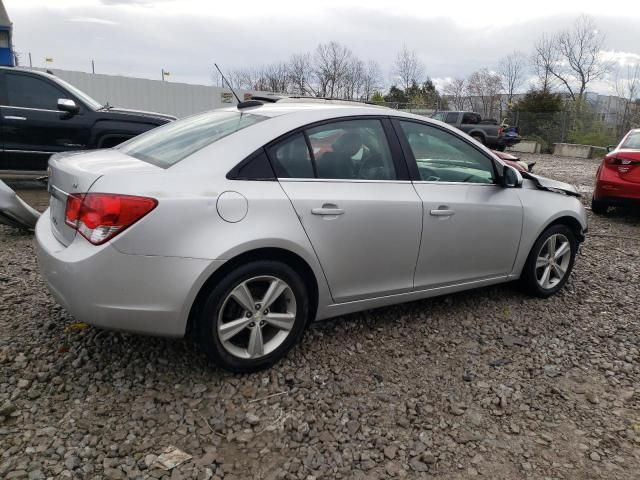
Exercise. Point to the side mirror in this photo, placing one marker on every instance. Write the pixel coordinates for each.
(610, 147)
(67, 105)
(511, 177)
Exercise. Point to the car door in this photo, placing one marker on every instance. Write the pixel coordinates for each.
(471, 225)
(32, 126)
(350, 189)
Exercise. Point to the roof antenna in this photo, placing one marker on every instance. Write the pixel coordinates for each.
(227, 82)
(241, 105)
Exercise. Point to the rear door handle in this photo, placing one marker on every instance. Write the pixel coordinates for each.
(327, 209)
(442, 212)
(12, 117)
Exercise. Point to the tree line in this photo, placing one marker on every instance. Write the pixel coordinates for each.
(561, 66)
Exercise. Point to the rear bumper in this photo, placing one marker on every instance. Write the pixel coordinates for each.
(103, 287)
(617, 193)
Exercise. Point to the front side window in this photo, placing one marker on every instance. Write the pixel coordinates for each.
(167, 145)
(352, 150)
(30, 92)
(443, 157)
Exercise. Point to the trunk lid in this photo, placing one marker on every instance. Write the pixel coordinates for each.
(627, 164)
(76, 172)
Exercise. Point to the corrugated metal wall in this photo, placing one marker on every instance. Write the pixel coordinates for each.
(179, 99)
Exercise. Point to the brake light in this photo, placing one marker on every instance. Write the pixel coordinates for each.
(99, 217)
(500, 131)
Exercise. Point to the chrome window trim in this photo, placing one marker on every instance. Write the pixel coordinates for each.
(428, 182)
(32, 109)
(28, 151)
(340, 180)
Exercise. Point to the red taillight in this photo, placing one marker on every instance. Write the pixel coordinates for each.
(500, 131)
(101, 216)
(622, 165)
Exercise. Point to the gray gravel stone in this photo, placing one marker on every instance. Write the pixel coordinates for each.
(486, 383)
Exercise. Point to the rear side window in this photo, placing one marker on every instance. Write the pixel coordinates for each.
(291, 158)
(29, 92)
(352, 150)
(632, 141)
(167, 145)
(470, 119)
(451, 117)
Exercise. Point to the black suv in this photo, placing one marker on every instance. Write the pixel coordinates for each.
(41, 114)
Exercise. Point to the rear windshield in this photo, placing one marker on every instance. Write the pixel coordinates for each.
(167, 145)
(632, 141)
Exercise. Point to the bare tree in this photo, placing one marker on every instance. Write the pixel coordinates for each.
(574, 56)
(409, 68)
(300, 74)
(512, 68)
(543, 60)
(331, 62)
(371, 80)
(485, 87)
(275, 78)
(456, 91)
(627, 86)
(353, 79)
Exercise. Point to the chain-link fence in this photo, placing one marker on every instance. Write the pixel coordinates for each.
(569, 126)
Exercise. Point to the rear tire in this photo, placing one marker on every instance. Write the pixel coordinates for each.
(553, 253)
(478, 137)
(598, 207)
(238, 332)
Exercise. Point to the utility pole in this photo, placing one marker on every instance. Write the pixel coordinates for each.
(30, 63)
(165, 74)
(93, 67)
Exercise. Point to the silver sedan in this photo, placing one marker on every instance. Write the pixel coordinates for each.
(242, 225)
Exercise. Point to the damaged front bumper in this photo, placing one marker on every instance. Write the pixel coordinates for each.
(14, 211)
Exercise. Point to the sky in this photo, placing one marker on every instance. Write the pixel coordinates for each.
(185, 37)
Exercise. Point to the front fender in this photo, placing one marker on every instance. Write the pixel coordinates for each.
(541, 209)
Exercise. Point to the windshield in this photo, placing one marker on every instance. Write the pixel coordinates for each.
(80, 94)
(167, 145)
(632, 141)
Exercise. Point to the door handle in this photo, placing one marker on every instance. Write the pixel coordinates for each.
(327, 209)
(12, 117)
(442, 211)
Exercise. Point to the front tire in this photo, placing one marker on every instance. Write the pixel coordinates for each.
(253, 316)
(550, 261)
(598, 207)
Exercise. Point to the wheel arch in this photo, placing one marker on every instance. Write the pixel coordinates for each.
(572, 223)
(285, 256)
(478, 133)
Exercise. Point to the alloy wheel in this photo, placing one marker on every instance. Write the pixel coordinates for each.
(553, 261)
(256, 317)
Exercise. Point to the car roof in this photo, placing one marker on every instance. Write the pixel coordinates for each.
(28, 70)
(322, 108)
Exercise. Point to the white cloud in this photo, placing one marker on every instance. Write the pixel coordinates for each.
(100, 21)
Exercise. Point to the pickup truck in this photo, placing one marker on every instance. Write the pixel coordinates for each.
(486, 132)
(41, 114)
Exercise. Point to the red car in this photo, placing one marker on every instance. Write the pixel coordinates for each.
(618, 177)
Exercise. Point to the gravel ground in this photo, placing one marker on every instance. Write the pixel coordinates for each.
(488, 382)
